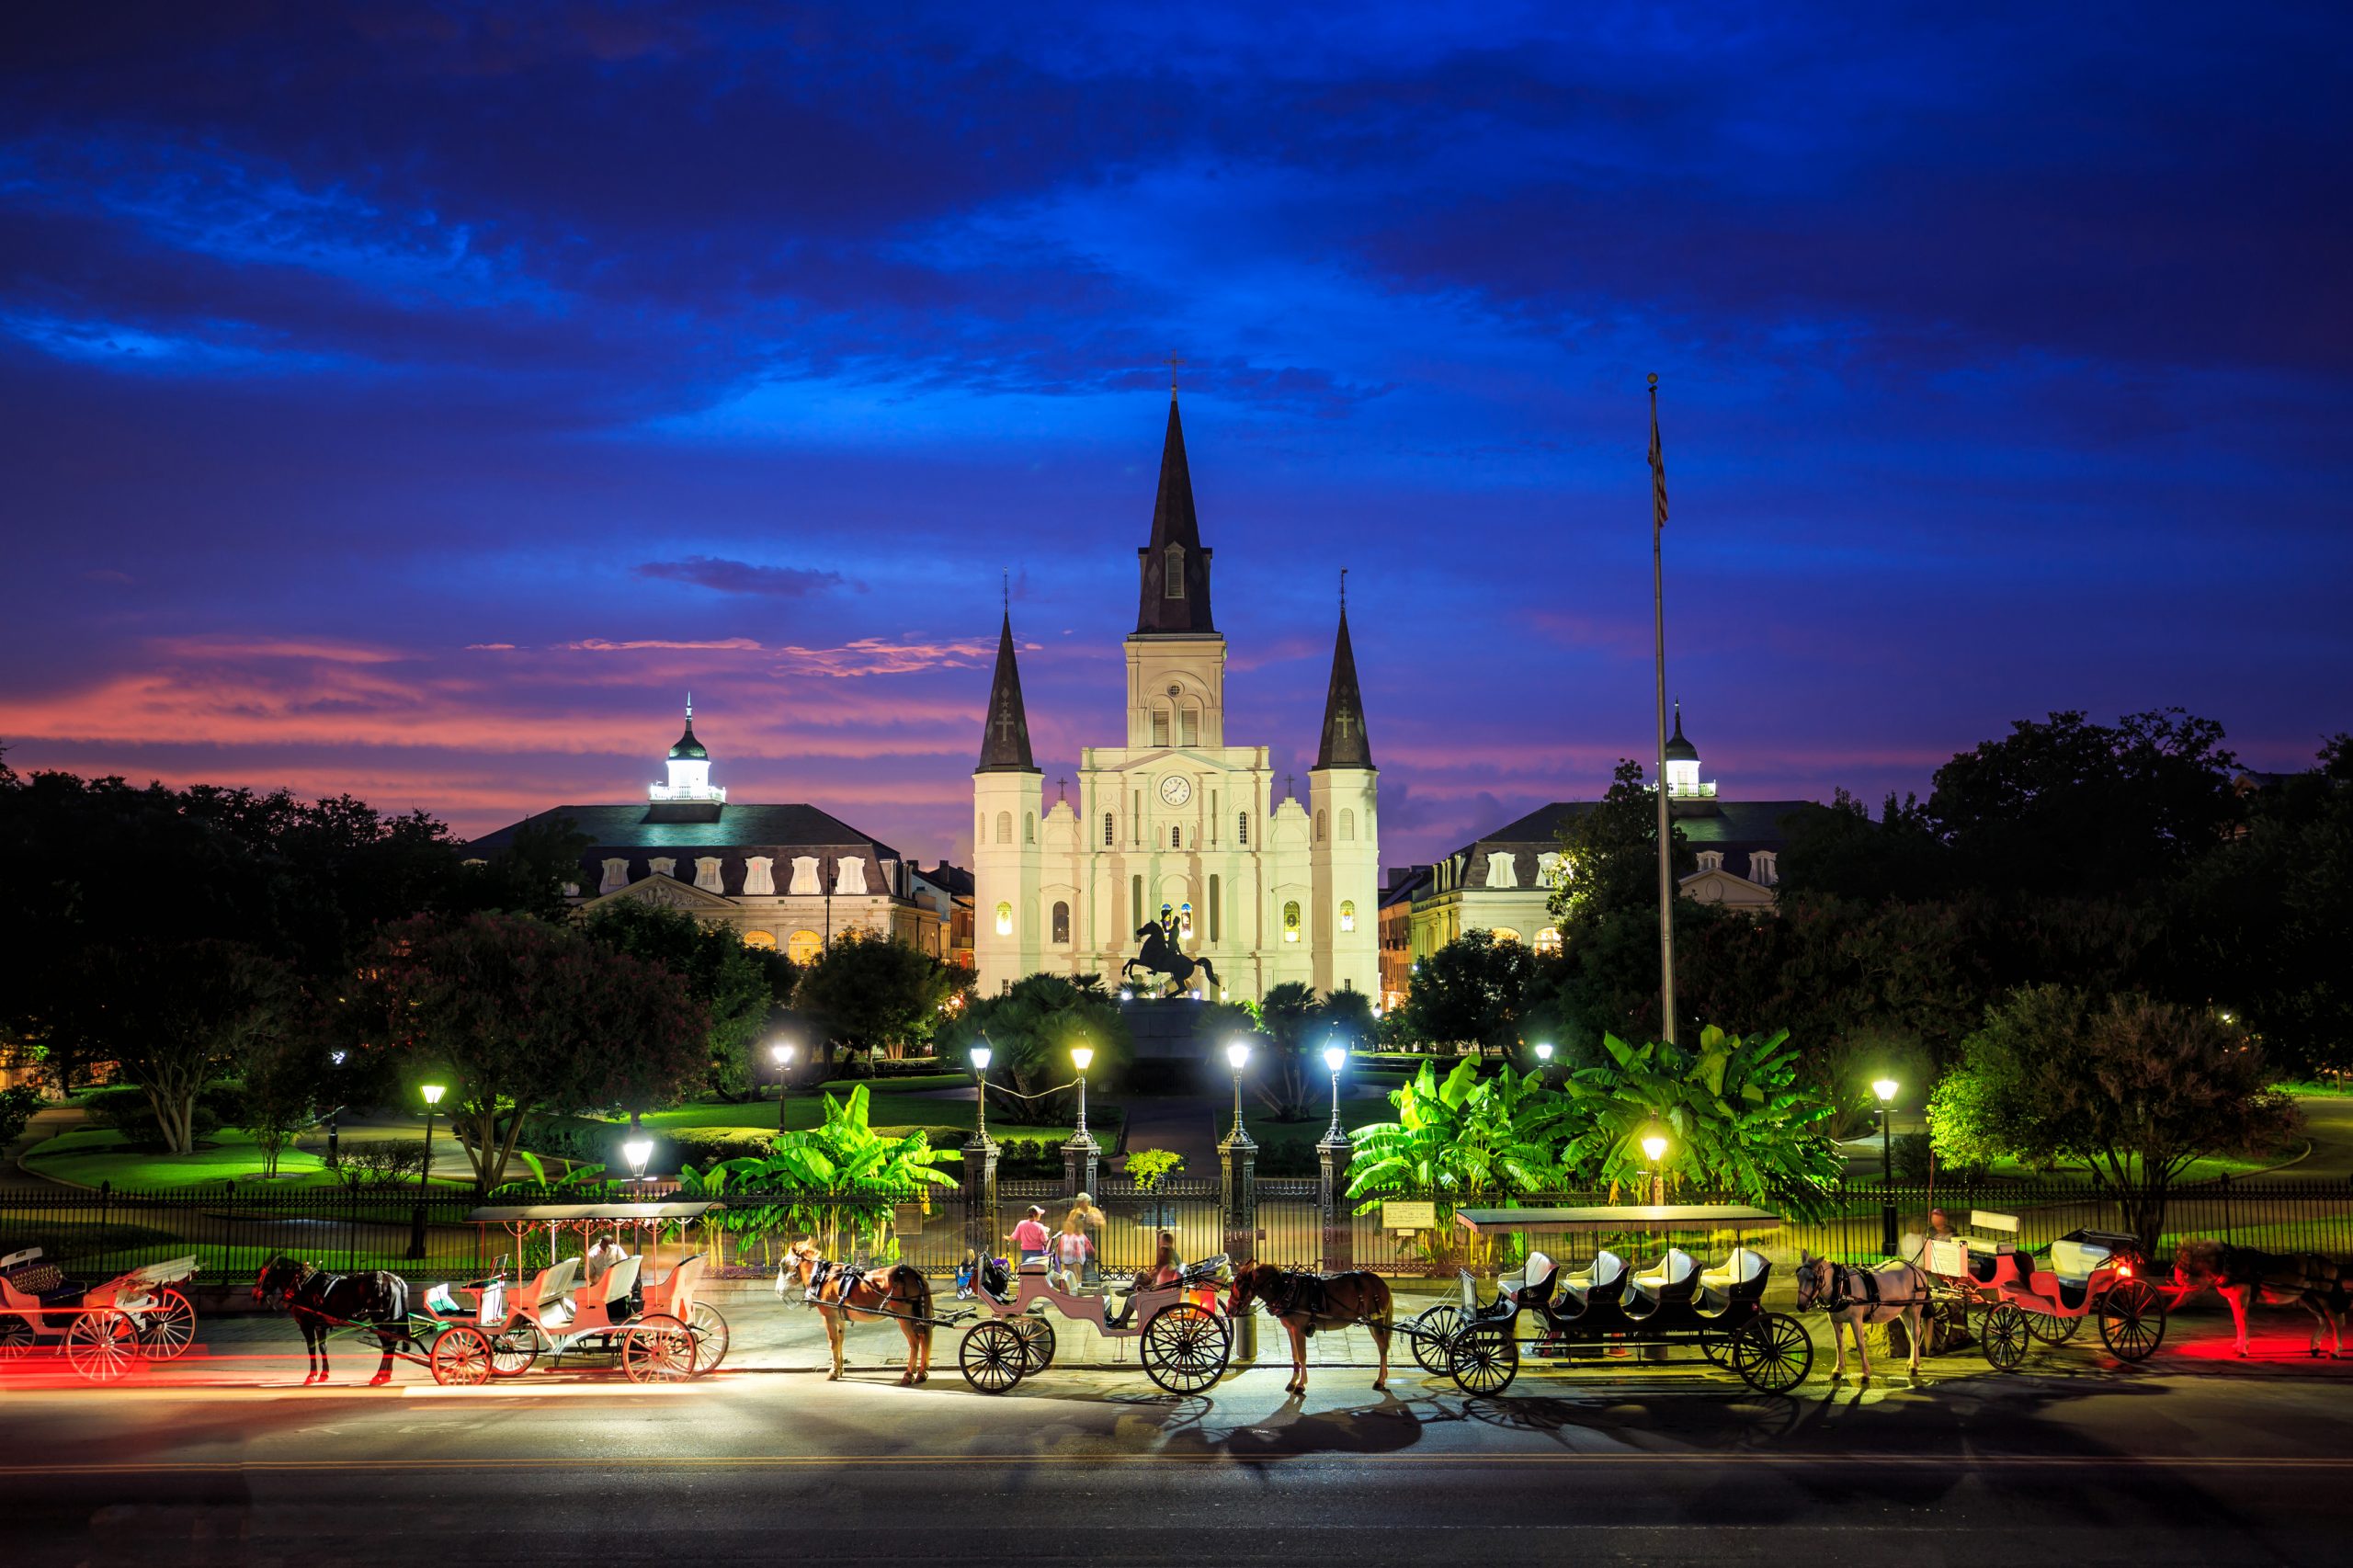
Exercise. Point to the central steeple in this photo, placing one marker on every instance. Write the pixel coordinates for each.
(1173, 568)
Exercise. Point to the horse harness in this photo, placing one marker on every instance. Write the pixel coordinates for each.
(1304, 1295)
(1838, 1300)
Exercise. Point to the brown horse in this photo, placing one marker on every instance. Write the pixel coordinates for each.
(2241, 1276)
(841, 1293)
(1304, 1303)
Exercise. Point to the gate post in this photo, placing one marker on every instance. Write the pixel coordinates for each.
(1082, 1163)
(1332, 1163)
(1237, 1159)
(980, 1195)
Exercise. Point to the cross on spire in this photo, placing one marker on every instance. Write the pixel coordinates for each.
(1344, 590)
(1172, 361)
(1290, 786)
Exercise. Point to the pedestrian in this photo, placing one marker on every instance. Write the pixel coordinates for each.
(1029, 1241)
(1083, 1222)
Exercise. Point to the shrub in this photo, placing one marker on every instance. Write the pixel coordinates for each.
(1911, 1156)
(16, 1109)
(126, 1110)
(381, 1162)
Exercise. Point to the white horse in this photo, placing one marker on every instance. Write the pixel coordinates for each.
(1852, 1296)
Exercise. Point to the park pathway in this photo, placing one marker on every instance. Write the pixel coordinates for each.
(1187, 1124)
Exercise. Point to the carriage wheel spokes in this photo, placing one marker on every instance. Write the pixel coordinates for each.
(17, 1336)
(993, 1356)
(2006, 1337)
(168, 1327)
(1037, 1342)
(2052, 1329)
(1717, 1348)
(710, 1334)
(460, 1357)
(1185, 1348)
(1773, 1353)
(512, 1351)
(658, 1350)
(1484, 1358)
(102, 1344)
(1433, 1347)
(2132, 1319)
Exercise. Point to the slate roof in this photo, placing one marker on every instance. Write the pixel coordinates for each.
(642, 833)
(1345, 744)
(1005, 734)
(1736, 827)
(1174, 522)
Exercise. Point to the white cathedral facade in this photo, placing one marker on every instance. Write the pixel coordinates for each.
(1177, 819)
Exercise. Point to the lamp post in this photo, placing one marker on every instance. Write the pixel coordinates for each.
(1544, 1061)
(1334, 1058)
(1654, 1149)
(981, 1055)
(782, 1052)
(1083, 1057)
(1238, 1055)
(637, 1150)
(1885, 1089)
(334, 1151)
(432, 1093)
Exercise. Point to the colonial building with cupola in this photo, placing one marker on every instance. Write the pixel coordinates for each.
(1180, 826)
(786, 876)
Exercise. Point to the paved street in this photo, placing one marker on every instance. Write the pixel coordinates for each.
(2199, 1460)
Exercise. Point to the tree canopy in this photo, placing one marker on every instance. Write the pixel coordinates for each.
(1030, 1030)
(737, 986)
(1609, 855)
(868, 993)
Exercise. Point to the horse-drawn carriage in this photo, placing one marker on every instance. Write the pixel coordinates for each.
(1185, 1344)
(1609, 1310)
(1985, 1281)
(103, 1331)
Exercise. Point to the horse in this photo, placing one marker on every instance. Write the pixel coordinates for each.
(1304, 1303)
(1853, 1296)
(1160, 955)
(2319, 1285)
(839, 1292)
(322, 1302)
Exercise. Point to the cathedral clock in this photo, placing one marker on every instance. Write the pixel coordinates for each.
(1176, 790)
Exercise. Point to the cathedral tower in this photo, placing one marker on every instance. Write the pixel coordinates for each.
(1345, 847)
(1008, 789)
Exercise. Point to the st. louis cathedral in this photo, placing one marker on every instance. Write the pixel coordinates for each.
(1177, 829)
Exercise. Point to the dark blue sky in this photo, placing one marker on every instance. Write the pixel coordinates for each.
(416, 400)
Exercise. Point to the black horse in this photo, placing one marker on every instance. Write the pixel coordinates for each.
(1160, 955)
(322, 1302)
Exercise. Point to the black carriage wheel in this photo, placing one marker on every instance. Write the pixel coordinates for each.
(1484, 1359)
(17, 1336)
(1037, 1342)
(1185, 1348)
(512, 1351)
(2052, 1329)
(712, 1337)
(168, 1328)
(658, 1350)
(1717, 1348)
(2005, 1337)
(992, 1356)
(2132, 1319)
(102, 1344)
(460, 1357)
(1434, 1345)
(1773, 1353)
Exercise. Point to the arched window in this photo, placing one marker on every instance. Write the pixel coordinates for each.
(1005, 827)
(1176, 838)
(1189, 725)
(1290, 921)
(1106, 830)
(759, 938)
(1319, 824)
(1502, 933)
(1173, 576)
(1185, 922)
(803, 947)
(1347, 914)
(1547, 941)
(1241, 835)
(1347, 825)
(1003, 918)
(1159, 726)
(1028, 827)
(1061, 922)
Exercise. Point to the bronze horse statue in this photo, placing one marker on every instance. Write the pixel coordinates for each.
(841, 1293)
(1160, 955)
(1305, 1302)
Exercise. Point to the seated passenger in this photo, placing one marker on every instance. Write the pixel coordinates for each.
(1164, 1271)
(606, 1252)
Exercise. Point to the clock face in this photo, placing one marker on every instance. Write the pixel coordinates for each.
(1176, 788)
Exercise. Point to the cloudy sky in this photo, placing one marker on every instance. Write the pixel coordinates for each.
(416, 400)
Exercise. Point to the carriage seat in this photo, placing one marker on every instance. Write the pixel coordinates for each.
(547, 1299)
(1604, 1275)
(613, 1290)
(1743, 1271)
(1670, 1278)
(1532, 1285)
(25, 1275)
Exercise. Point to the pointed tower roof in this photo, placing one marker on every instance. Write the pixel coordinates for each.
(1181, 606)
(689, 749)
(1345, 744)
(1678, 748)
(1004, 739)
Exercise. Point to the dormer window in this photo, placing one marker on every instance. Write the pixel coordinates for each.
(1172, 576)
(1764, 867)
(1711, 860)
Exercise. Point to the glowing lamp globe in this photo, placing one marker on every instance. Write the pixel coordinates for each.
(1885, 1089)
(1334, 1058)
(1544, 1050)
(782, 1051)
(981, 1057)
(1655, 1146)
(1238, 1054)
(637, 1150)
(432, 1093)
(1083, 1056)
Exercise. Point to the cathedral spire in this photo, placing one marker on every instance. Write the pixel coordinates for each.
(1005, 741)
(1345, 744)
(1175, 569)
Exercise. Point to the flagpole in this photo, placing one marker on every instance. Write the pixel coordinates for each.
(1665, 828)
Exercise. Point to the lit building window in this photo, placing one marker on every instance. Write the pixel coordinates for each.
(1004, 919)
(1504, 934)
(1290, 921)
(759, 938)
(1347, 914)
(1061, 922)
(1547, 941)
(1185, 922)
(803, 946)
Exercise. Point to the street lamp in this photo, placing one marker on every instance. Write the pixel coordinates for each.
(637, 1150)
(1334, 1058)
(335, 1156)
(1083, 1056)
(782, 1052)
(432, 1093)
(1885, 1089)
(1238, 1055)
(981, 1058)
(1654, 1149)
(1544, 1060)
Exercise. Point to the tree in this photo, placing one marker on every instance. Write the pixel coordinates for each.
(1463, 1138)
(738, 987)
(527, 1019)
(1609, 856)
(171, 1016)
(1031, 1029)
(281, 1071)
(1477, 989)
(1736, 1114)
(869, 992)
(1287, 1017)
(2135, 1087)
(1838, 851)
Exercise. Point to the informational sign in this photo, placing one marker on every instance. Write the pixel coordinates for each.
(909, 1219)
(1402, 1216)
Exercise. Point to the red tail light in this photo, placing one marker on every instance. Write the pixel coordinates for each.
(2125, 1269)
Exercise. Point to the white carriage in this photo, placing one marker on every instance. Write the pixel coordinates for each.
(104, 1332)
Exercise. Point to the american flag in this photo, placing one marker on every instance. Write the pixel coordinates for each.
(1658, 466)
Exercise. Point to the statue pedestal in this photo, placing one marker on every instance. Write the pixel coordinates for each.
(1165, 1030)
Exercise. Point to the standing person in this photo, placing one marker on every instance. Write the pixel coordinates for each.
(1084, 1222)
(1030, 1239)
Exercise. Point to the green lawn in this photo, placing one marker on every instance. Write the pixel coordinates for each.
(92, 1155)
